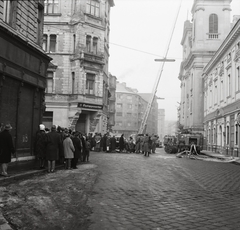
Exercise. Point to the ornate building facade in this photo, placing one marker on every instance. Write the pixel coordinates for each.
(76, 36)
(222, 96)
(23, 67)
(201, 38)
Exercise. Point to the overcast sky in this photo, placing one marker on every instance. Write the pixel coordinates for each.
(139, 33)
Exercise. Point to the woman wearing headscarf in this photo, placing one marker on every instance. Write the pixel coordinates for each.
(6, 149)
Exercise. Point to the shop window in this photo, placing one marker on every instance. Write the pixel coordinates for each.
(51, 7)
(48, 119)
(90, 83)
(93, 8)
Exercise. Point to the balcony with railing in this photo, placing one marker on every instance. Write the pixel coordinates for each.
(213, 36)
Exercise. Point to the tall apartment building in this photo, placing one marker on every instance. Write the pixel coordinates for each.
(222, 96)
(23, 67)
(76, 36)
(201, 38)
(130, 108)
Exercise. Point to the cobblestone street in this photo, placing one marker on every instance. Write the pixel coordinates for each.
(164, 192)
(121, 191)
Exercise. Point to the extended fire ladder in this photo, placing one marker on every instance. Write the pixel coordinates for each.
(143, 125)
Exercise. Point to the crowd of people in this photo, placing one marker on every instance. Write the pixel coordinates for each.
(71, 147)
(63, 145)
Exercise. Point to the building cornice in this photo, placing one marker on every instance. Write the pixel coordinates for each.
(232, 36)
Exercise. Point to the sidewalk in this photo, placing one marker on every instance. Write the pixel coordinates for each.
(18, 169)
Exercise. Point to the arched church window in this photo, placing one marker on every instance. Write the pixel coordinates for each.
(213, 23)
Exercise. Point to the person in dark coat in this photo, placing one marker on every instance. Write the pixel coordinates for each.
(53, 147)
(78, 149)
(6, 149)
(121, 143)
(40, 145)
(83, 140)
(104, 143)
(113, 144)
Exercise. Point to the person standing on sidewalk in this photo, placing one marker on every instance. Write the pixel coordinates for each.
(40, 146)
(68, 149)
(6, 149)
(78, 149)
(53, 148)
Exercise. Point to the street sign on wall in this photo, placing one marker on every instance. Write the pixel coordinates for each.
(90, 106)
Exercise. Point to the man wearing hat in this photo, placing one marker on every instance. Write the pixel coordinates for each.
(6, 149)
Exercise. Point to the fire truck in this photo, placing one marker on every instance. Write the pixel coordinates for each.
(182, 142)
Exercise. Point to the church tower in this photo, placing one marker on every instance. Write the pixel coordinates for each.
(201, 38)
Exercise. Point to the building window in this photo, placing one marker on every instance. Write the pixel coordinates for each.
(73, 82)
(215, 93)
(119, 114)
(8, 11)
(53, 42)
(49, 88)
(238, 79)
(228, 134)
(129, 114)
(48, 119)
(93, 8)
(221, 90)
(213, 23)
(45, 42)
(40, 23)
(74, 43)
(95, 45)
(51, 7)
(119, 123)
(129, 106)
(90, 82)
(119, 105)
(88, 43)
(129, 97)
(236, 134)
(229, 85)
